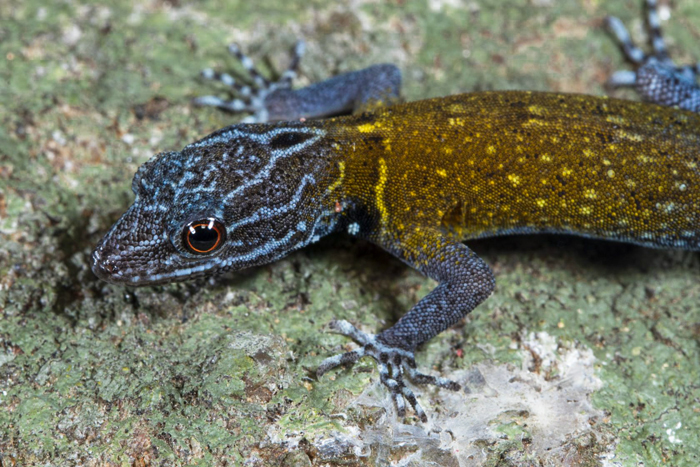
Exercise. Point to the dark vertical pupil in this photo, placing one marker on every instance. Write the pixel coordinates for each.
(203, 238)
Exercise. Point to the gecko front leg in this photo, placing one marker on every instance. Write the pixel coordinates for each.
(464, 281)
(270, 101)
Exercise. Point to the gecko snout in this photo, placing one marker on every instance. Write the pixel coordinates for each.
(104, 268)
(100, 268)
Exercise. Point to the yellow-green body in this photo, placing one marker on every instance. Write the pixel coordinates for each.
(494, 163)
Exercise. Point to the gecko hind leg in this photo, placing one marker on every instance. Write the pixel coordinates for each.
(392, 362)
(254, 92)
(656, 77)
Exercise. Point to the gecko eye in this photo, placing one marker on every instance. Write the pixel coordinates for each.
(203, 236)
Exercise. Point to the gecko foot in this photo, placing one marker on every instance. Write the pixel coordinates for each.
(252, 91)
(393, 363)
(656, 77)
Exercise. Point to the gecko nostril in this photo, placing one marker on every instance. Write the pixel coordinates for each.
(96, 257)
(102, 267)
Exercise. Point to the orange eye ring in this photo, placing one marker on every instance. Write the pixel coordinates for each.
(203, 236)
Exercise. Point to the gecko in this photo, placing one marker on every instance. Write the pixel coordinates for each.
(418, 179)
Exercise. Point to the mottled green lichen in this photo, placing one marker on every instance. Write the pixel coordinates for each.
(206, 373)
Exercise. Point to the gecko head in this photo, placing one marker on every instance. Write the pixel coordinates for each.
(240, 197)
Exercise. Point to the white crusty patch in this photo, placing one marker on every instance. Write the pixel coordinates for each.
(553, 411)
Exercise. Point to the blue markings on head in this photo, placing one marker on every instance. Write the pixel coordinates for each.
(259, 181)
